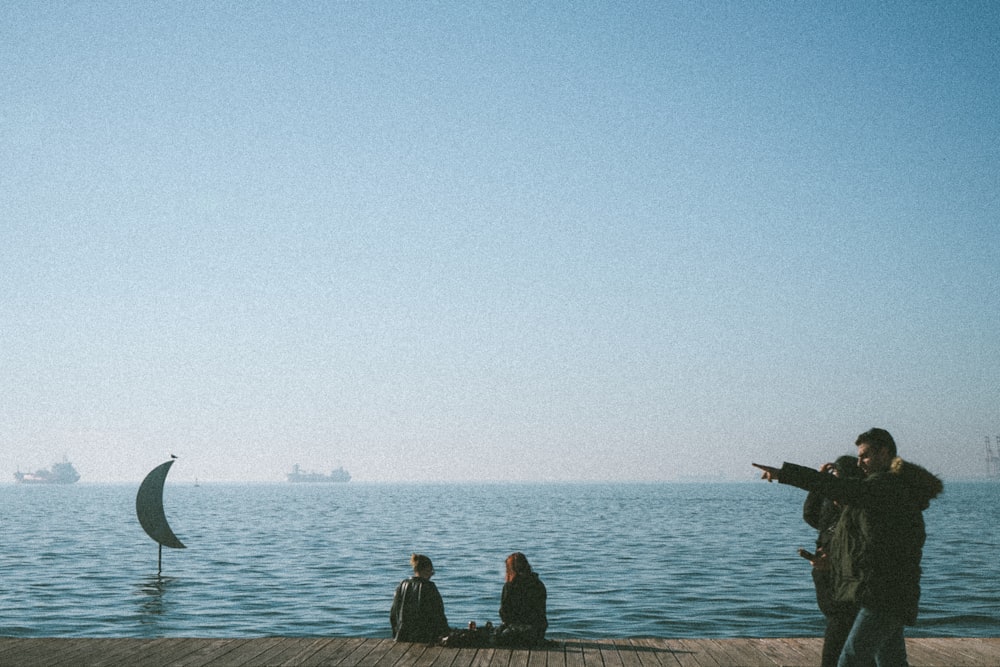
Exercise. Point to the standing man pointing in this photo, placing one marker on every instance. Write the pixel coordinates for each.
(877, 544)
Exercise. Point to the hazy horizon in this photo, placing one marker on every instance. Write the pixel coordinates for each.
(496, 241)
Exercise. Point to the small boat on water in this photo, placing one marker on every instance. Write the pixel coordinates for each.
(336, 476)
(61, 473)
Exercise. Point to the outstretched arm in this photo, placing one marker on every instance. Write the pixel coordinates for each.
(846, 490)
(770, 474)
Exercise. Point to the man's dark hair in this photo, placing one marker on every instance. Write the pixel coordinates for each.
(878, 438)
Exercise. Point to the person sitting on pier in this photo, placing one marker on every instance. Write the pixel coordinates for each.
(417, 613)
(522, 605)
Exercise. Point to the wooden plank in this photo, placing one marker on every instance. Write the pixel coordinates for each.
(7, 645)
(518, 657)
(378, 652)
(168, 652)
(696, 650)
(592, 654)
(572, 654)
(208, 651)
(151, 652)
(652, 653)
(449, 657)
(733, 652)
(139, 651)
(75, 651)
(810, 648)
(248, 651)
(371, 652)
(928, 654)
(938, 652)
(680, 652)
(439, 656)
(52, 651)
(987, 649)
(34, 653)
(539, 657)
(305, 652)
(387, 652)
(635, 654)
(984, 651)
(68, 649)
(609, 653)
(412, 654)
(335, 652)
(787, 652)
(484, 658)
(288, 649)
(937, 649)
(113, 652)
(464, 656)
(361, 653)
(770, 652)
(429, 656)
(498, 658)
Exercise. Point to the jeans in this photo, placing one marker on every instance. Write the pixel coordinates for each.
(876, 639)
(838, 626)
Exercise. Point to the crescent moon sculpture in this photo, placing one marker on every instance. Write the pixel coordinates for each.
(149, 508)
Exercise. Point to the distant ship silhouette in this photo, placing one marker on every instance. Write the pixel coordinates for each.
(61, 473)
(336, 476)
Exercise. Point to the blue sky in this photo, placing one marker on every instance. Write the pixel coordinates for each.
(496, 241)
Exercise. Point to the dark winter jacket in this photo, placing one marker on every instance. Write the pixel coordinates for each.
(878, 541)
(823, 514)
(522, 604)
(417, 613)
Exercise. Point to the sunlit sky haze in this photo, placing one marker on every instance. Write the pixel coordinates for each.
(496, 241)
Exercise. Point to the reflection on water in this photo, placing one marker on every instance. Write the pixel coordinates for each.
(152, 597)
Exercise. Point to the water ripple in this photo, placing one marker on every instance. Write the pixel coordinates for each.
(618, 560)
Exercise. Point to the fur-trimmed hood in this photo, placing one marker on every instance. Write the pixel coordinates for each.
(923, 484)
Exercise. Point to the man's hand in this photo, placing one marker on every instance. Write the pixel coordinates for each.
(770, 474)
(819, 560)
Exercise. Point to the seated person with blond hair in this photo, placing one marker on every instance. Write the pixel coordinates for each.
(417, 613)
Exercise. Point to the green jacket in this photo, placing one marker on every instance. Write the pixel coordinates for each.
(878, 541)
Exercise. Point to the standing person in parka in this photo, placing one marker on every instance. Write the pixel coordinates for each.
(823, 514)
(877, 544)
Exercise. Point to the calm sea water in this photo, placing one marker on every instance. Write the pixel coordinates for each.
(666, 560)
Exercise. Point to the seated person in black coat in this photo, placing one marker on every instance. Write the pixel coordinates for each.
(417, 613)
(522, 605)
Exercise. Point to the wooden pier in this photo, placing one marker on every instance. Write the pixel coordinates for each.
(314, 651)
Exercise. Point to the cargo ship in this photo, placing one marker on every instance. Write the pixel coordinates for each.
(336, 476)
(61, 473)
